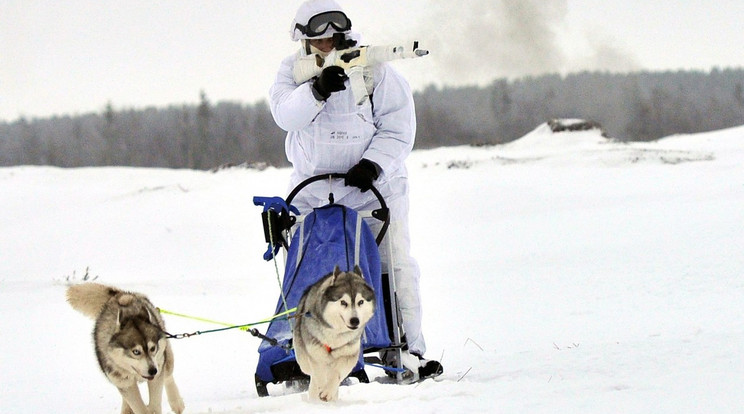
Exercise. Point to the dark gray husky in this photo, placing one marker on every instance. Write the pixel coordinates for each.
(327, 333)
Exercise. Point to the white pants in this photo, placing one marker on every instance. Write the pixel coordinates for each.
(406, 268)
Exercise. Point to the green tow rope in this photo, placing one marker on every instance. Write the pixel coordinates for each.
(248, 327)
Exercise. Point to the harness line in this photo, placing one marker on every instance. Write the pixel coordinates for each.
(248, 327)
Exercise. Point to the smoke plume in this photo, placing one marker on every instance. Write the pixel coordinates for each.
(480, 40)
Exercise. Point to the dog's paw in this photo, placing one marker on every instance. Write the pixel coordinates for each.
(328, 395)
(177, 405)
(324, 396)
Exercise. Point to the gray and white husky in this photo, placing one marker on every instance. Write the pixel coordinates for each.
(130, 344)
(327, 333)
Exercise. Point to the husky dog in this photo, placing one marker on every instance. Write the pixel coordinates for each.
(131, 345)
(327, 334)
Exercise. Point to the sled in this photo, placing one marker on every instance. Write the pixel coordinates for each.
(313, 244)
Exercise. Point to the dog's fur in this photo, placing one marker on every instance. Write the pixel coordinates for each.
(327, 333)
(131, 345)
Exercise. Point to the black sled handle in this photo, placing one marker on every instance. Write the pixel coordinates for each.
(382, 213)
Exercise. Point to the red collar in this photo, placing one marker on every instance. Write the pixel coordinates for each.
(328, 348)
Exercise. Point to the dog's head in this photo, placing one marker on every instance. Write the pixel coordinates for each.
(349, 300)
(138, 346)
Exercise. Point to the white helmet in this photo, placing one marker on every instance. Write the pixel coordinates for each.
(317, 19)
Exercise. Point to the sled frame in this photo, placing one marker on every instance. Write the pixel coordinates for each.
(293, 375)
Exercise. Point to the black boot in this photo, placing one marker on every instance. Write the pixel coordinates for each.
(429, 368)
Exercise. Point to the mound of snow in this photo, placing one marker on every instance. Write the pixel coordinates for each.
(566, 142)
(539, 144)
(543, 141)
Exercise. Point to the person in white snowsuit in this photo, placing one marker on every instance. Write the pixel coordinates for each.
(328, 132)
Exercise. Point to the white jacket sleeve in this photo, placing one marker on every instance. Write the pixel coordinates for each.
(292, 106)
(395, 120)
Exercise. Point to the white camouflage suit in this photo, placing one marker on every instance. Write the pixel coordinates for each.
(334, 135)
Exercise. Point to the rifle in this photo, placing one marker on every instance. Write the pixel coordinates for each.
(353, 61)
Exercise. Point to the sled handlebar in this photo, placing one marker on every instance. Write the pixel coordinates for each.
(382, 213)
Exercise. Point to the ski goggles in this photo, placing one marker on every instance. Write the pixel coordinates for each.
(318, 24)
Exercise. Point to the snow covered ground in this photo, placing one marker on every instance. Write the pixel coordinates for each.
(560, 273)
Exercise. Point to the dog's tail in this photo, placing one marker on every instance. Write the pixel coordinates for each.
(90, 298)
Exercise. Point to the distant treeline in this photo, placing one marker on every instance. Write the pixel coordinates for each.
(631, 107)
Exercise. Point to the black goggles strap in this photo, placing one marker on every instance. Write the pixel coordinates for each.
(318, 24)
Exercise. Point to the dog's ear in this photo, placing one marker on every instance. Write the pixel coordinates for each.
(357, 270)
(118, 320)
(151, 318)
(336, 272)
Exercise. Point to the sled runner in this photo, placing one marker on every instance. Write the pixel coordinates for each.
(313, 244)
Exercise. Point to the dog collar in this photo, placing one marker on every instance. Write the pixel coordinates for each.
(327, 348)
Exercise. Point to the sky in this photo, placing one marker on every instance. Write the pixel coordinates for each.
(76, 56)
